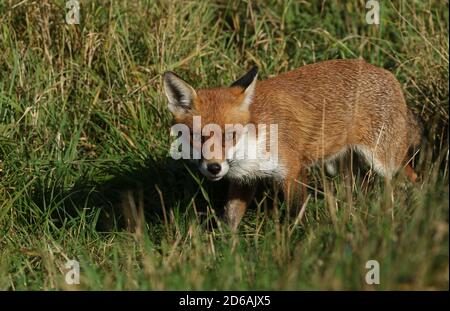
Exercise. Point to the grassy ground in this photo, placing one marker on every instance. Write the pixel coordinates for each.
(85, 172)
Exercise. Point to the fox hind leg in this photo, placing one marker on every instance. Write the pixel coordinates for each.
(379, 161)
(410, 173)
(385, 163)
(294, 189)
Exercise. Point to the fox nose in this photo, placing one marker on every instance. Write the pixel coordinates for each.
(214, 168)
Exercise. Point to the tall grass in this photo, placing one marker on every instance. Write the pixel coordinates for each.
(84, 166)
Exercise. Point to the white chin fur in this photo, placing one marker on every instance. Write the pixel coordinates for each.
(204, 170)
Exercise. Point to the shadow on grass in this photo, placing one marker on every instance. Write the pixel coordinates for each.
(150, 191)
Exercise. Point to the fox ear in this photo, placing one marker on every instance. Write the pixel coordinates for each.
(248, 83)
(179, 93)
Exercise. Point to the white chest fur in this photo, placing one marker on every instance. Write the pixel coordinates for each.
(252, 158)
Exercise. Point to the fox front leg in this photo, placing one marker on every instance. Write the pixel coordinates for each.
(239, 196)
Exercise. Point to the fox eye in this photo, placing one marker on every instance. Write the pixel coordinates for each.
(229, 135)
(197, 136)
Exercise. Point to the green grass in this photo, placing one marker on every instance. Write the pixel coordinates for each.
(84, 139)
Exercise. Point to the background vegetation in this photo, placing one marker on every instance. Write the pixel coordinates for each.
(84, 166)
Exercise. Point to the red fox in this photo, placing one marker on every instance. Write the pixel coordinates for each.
(321, 111)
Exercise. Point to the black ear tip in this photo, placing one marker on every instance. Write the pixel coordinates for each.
(247, 79)
(254, 69)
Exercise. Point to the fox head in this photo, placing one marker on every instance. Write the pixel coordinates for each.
(224, 111)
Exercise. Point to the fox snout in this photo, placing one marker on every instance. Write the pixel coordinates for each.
(214, 169)
(213, 162)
